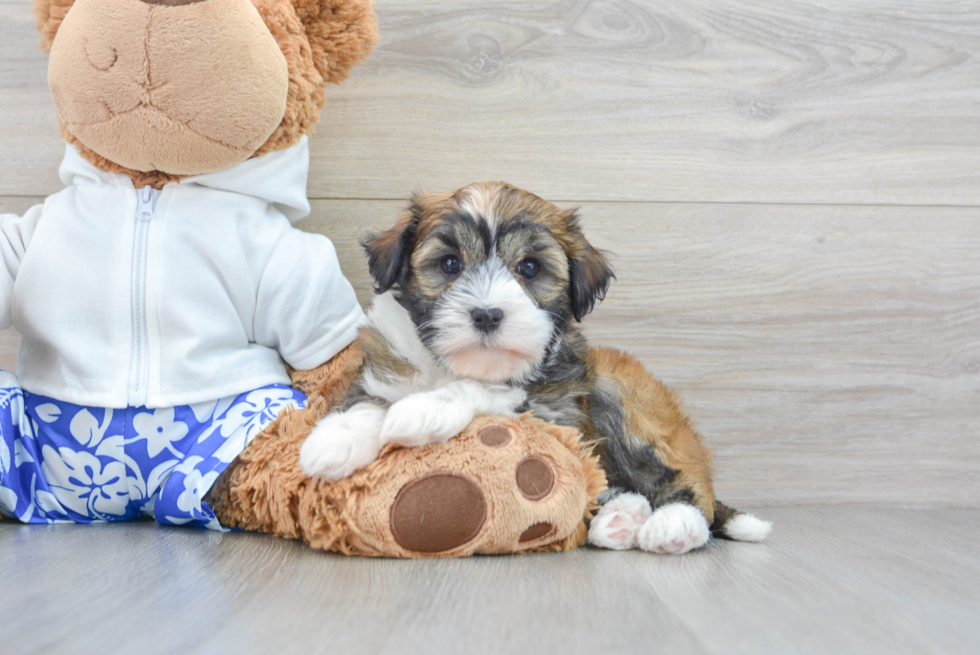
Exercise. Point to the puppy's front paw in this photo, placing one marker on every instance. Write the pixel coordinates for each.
(504, 401)
(617, 524)
(341, 444)
(674, 529)
(424, 418)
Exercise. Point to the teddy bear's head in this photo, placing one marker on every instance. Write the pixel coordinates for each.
(161, 89)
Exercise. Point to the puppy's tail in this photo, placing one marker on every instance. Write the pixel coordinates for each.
(729, 523)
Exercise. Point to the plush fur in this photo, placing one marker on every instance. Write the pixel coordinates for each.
(319, 39)
(482, 292)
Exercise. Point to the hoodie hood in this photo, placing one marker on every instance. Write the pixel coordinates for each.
(278, 178)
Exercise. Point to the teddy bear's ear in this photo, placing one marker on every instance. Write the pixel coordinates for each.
(341, 33)
(48, 15)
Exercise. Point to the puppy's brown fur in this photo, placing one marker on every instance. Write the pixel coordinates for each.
(654, 416)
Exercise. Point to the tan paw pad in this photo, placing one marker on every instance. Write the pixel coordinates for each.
(495, 436)
(535, 478)
(536, 531)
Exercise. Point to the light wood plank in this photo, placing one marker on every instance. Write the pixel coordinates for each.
(842, 580)
(702, 100)
(829, 354)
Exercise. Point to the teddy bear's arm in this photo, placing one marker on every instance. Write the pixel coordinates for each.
(15, 235)
(305, 308)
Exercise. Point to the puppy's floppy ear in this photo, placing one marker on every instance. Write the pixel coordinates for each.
(341, 33)
(389, 252)
(589, 271)
(48, 15)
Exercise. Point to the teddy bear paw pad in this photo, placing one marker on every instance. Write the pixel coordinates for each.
(495, 436)
(535, 478)
(536, 531)
(438, 512)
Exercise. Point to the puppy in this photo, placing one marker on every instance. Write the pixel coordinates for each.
(481, 292)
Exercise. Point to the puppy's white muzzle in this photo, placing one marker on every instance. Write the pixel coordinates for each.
(486, 328)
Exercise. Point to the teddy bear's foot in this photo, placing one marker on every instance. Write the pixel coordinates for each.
(504, 485)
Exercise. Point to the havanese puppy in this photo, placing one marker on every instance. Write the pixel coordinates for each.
(481, 291)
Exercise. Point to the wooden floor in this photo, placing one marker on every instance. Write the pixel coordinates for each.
(830, 580)
(791, 195)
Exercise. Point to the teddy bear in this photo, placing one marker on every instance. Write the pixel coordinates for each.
(180, 337)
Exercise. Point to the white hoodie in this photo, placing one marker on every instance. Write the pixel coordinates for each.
(129, 297)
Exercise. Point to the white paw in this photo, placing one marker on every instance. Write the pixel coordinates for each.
(424, 418)
(618, 522)
(674, 529)
(342, 443)
(504, 401)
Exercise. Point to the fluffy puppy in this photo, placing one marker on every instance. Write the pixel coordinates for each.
(481, 292)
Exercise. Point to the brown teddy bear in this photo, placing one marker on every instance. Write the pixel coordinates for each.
(167, 304)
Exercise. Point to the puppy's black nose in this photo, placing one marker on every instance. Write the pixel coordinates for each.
(487, 320)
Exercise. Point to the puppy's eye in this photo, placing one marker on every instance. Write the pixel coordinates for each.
(529, 268)
(451, 265)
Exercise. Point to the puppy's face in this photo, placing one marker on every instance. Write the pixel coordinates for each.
(490, 275)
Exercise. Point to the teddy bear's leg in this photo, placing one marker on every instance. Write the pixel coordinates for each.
(504, 485)
(261, 490)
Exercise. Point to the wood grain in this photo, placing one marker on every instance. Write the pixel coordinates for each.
(842, 580)
(702, 100)
(828, 354)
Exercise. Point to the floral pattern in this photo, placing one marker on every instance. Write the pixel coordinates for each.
(65, 463)
(160, 431)
(85, 483)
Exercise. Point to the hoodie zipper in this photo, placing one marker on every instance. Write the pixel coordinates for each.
(146, 199)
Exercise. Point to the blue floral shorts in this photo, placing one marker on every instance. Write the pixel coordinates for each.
(65, 463)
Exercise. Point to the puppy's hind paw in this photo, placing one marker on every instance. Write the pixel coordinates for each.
(674, 529)
(613, 530)
(618, 522)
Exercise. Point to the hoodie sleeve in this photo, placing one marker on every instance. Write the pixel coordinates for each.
(15, 234)
(305, 308)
